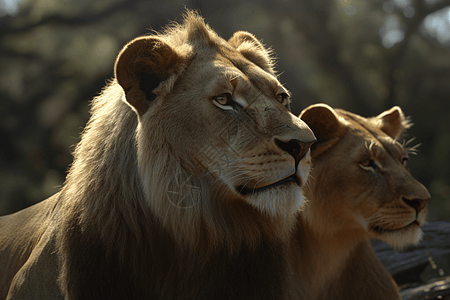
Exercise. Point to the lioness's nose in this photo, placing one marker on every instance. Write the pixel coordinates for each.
(295, 148)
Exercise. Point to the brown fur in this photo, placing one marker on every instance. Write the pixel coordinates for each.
(128, 223)
(350, 202)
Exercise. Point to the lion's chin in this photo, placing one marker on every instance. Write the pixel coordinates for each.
(400, 238)
(293, 179)
(279, 201)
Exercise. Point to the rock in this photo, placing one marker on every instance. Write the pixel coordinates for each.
(438, 289)
(421, 270)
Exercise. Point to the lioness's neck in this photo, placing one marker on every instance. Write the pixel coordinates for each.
(324, 254)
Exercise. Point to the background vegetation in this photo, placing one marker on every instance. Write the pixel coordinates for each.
(361, 55)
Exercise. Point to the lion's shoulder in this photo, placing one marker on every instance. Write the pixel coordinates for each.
(28, 250)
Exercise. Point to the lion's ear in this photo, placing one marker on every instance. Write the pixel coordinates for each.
(252, 49)
(141, 66)
(393, 122)
(325, 124)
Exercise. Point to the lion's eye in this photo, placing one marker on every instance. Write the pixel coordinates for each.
(283, 98)
(225, 101)
(369, 165)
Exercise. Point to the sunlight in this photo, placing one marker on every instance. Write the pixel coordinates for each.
(391, 32)
(437, 26)
(9, 7)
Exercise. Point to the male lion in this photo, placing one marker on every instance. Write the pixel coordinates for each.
(184, 185)
(360, 188)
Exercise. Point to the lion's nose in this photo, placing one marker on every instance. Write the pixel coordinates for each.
(297, 149)
(417, 204)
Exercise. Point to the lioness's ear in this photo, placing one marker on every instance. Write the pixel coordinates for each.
(141, 66)
(325, 124)
(393, 122)
(252, 49)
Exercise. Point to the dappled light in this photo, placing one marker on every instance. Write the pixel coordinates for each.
(9, 7)
(391, 32)
(437, 26)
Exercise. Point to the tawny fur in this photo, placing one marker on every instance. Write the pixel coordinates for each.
(350, 201)
(128, 223)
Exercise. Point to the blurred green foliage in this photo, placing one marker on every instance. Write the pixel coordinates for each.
(361, 55)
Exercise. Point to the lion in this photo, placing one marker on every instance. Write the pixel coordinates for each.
(184, 185)
(360, 188)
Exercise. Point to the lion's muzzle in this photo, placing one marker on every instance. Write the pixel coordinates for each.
(297, 149)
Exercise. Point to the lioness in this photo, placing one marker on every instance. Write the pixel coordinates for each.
(184, 185)
(360, 188)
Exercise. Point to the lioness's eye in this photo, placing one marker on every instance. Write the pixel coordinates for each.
(369, 165)
(283, 98)
(225, 101)
(405, 161)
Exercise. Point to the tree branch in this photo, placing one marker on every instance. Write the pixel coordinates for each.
(84, 19)
(314, 26)
(396, 59)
